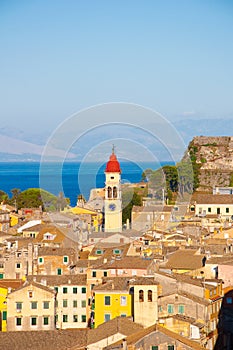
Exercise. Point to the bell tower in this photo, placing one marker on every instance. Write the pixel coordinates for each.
(112, 200)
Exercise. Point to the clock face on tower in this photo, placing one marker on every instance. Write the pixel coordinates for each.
(112, 206)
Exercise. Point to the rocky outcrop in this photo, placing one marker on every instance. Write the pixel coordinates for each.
(213, 157)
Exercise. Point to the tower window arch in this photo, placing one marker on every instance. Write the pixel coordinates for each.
(109, 192)
(149, 295)
(114, 192)
(141, 295)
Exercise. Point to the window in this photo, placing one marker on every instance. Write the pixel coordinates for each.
(83, 317)
(109, 192)
(4, 315)
(75, 290)
(107, 317)
(1, 266)
(40, 260)
(75, 303)
(170, 309)
(33, 321)
(30, 294)
(160, 308)
(170, 347)
(83, 303)
(154, 347)
(59, 271)
(65, 259)
(65, 318)
(18, 321)
(107, 300)
(227, 210)
(93, 273)
(65, 290)
(45, 304)
(45, 320)
(105, 274)
(56, 289)
(209, 210)
(18, 265)
(141, 295)
(34, 305)
(75, 318)
(1, 276)
(149, 295)
(84, 290)
(99, 251)
(19, 305)
(65, 302)
(218, 210)
(123, 315)
(180, 309)
(123, 301)
(116, 251)
(229, 300)
(114, 192)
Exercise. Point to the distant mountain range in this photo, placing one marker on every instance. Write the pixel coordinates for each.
(18, 145)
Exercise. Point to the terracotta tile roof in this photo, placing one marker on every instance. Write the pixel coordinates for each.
(113, 284)
(205, 198)
(191, 297)
(11, 283)
(43, 340)
(35, 228)
(137, 336)
(123, 283)
(45, 251)
(32, 283)
(122, 325)
(187, 319)
(153, 208)
(108, 249)
(185, 259)
(54, 280)
(84, 254)
(129, 262)
(136, 281)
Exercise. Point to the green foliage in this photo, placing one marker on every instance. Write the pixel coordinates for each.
(3, 197)
(231, 180)
(130, 198)
(35, 197)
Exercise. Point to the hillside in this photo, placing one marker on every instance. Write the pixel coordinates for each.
(213, 159)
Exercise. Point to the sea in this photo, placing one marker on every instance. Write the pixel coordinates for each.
(70, 178)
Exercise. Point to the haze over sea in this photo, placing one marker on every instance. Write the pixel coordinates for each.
(75, 178)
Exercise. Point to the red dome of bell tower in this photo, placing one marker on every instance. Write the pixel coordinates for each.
(113, 166)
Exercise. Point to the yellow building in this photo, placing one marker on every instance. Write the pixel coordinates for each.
(5, 287)
(92, 217)
(14, 219)
(110, 300)
(31, 308)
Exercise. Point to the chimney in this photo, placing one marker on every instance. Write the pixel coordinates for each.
(124, 344)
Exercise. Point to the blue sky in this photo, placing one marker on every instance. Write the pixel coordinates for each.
(58, 57)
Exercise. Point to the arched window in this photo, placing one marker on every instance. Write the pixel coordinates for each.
(149, 296)
(109, 192)
(141, 295)
(114, 192)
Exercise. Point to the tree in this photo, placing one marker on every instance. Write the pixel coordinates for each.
(126, 212)
(3, 197)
